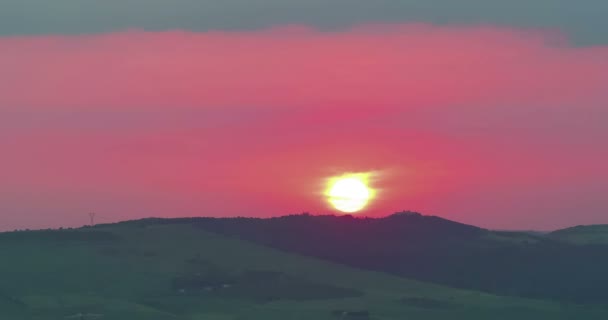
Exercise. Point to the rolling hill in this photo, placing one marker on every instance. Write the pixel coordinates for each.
(174, 269)
(594, 234)
(433, 249)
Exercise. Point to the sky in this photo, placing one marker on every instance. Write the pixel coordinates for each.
(491, 113)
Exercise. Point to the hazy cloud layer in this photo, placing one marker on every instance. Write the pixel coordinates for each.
(583, 20)
(379, 67)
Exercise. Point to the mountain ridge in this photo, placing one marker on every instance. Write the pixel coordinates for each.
(431, 249)
(179, 271)
(425, 248)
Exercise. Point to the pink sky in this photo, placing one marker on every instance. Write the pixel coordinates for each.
(496, 127)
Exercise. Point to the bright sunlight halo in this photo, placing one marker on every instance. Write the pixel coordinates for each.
(349, 193)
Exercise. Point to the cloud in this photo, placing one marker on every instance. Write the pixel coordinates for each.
(385, 67)
(583, 20)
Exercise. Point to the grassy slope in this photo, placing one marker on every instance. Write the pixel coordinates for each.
(432, 249)
(125, 272)
(595, 234)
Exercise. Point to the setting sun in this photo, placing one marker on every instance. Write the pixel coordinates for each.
(349, 193)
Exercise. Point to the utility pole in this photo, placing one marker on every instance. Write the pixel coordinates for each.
(92, 217)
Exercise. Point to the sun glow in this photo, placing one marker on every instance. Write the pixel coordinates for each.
(350, 192)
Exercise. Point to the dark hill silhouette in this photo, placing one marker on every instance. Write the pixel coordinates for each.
(594, 234)
(432, 249)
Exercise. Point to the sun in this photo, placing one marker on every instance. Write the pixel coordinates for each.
(349, 193)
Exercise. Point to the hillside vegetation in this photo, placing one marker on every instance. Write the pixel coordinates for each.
(595, 234)
(175, 270)
(432, 249)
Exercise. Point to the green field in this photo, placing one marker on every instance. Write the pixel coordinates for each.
(594, 234)
(169, 271)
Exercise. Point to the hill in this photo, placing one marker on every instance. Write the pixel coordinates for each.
(594, 234)
(433, 249)
(169, 269)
